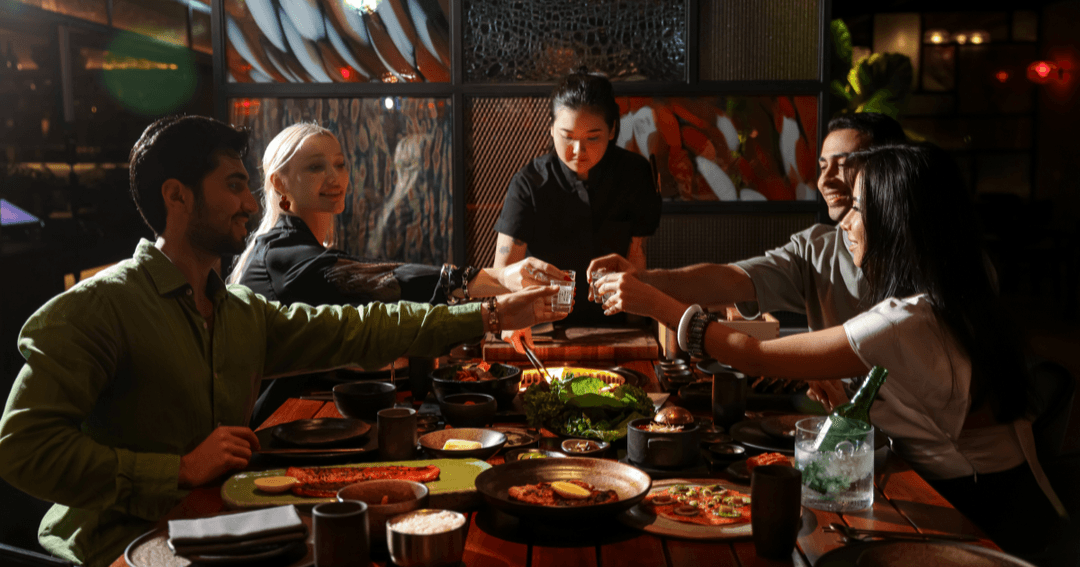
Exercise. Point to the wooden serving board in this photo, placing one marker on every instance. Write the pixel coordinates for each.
(455, 488)
(579, 344)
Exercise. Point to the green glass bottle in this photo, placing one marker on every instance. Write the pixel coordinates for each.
(852, 417)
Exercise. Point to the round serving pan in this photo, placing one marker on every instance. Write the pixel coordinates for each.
(631, 484)
(504, 388)
(662, 449)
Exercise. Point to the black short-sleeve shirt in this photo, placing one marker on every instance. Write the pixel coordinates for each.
(568, 222)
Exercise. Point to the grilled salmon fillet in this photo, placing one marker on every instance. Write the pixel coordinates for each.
(324, 482)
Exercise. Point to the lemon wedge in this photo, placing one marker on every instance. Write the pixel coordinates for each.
(274, 484)
(570, 490)
(461, 445)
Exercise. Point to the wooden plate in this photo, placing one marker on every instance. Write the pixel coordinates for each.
(322, 432)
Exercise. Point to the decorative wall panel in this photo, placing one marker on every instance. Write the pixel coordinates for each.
(502, 135)
(400, 204)
(543, 40)
(735, 148)
(753, 40)
(324, 41)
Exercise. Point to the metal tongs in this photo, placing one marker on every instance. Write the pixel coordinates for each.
(539, 366)
(856, 534)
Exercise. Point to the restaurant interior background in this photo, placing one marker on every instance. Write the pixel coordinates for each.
(438, 102)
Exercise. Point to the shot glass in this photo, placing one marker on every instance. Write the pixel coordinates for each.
(595, 278)
(565, 298)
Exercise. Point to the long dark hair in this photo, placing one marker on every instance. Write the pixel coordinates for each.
(592, 91)
(922, 236)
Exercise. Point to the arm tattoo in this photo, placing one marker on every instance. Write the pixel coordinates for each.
(503, 250)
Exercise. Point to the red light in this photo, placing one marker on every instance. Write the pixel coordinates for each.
(1042, 71)
(345, 73)
(1002, 76)
(246, 103)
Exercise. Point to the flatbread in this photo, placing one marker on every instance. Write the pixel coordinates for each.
(658, 504)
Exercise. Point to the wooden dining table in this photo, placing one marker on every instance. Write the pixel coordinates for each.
(903, 501)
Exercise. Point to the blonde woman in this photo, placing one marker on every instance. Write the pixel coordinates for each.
(291, 258)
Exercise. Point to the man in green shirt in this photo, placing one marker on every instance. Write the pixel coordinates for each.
(138, 382)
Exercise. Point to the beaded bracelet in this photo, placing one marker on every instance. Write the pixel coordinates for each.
(493, 315)
(695, 343)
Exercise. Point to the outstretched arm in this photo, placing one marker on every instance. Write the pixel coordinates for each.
(707, 284)
(809, 356)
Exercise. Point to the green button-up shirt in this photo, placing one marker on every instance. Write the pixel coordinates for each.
(123, 376)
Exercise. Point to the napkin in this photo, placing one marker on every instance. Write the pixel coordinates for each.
(234, 533)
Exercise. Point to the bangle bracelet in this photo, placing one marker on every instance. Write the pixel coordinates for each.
(492, 315)
(684, 325)
(695, 343)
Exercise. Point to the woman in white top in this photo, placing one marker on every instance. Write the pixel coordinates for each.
(957, 390)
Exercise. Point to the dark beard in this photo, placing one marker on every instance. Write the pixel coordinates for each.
(204, 236)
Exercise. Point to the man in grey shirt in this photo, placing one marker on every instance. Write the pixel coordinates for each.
(813, 274)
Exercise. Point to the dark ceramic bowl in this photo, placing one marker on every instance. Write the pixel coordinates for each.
(490, 443)
(468, 410)
(504, 387)
(363, 400)
(401, 496)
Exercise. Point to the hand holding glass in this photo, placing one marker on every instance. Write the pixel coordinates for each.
(563, 302)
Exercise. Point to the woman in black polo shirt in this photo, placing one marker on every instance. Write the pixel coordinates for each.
(586, 198)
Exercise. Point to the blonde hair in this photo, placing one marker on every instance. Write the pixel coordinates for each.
(278, 153)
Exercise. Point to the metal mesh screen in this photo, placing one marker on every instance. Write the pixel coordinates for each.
(745, 40)
(542, 40)
(682, 239)
(501, 136)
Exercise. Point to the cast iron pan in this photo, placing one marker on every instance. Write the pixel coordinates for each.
(631, 484)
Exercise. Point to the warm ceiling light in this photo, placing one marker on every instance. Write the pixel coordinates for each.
(936, 36)
(961, 38)
(979, 37)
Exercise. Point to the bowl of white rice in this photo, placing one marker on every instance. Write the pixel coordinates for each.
(426, 538)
